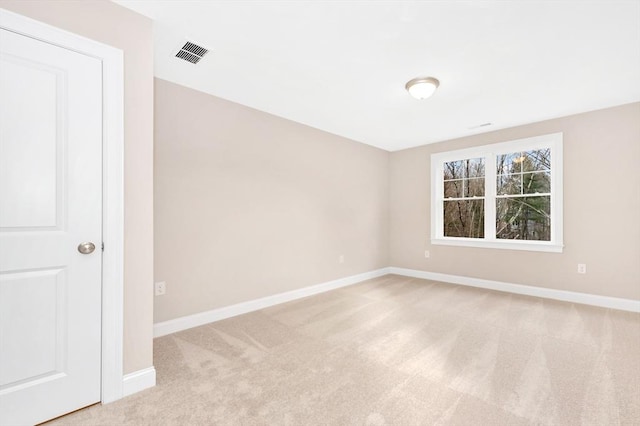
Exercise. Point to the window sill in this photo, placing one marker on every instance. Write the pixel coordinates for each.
(543, 246)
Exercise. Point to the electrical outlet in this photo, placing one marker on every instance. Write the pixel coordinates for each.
(341, 258)
(582, 268)
(160, 288)
(427, 254)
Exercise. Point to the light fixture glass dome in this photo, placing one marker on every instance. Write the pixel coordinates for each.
(422, 87)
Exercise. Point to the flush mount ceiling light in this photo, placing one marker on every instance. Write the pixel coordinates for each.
(422, 87)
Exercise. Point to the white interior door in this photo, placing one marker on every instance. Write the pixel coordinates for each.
(50, 203)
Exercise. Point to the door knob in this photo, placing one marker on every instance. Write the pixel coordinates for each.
(86, 247)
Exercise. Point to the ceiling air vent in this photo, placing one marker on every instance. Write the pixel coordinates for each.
(191, 52)
(479, 125)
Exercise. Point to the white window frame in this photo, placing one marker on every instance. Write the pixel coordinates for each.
(489, 153)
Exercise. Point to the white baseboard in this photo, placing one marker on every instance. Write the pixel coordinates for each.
(138, 381)
(190, 321)
(547, 293)
(183, 323)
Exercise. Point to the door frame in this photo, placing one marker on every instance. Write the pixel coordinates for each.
(112, 186)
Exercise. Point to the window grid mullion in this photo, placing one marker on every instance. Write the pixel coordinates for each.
(533, 194)
(475, 197)
(490, 184)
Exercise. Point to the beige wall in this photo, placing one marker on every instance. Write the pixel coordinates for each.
(601, 209)
(249, 205)
(114, 25)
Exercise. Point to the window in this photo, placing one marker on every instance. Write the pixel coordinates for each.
(506, 195)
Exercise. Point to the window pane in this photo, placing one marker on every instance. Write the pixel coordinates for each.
(524, 218)
(474, 167)
(453, 188)
(538, 159)
(509, 184)
(539, 182)
(469, 168)
(464, 218)
(509, 163)
(474, 187)
(454, 170)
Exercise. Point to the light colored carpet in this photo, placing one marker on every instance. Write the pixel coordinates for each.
(395, 351)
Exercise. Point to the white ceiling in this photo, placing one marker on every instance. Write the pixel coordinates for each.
(341, 66)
